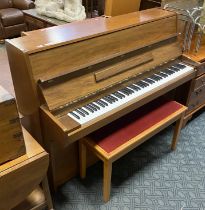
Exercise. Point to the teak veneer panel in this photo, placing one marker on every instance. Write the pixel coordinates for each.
(44, 39)
(66, 59)
(65, 91)
(122, 66)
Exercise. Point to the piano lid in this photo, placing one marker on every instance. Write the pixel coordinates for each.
(77, 31)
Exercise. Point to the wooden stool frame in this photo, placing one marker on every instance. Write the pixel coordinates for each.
(109, 158)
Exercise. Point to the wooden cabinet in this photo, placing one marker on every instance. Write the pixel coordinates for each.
(11, 139)
(196, 96)
(21, 177)
(35, 21)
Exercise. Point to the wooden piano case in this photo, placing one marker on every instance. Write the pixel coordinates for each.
(11, 143)
(67, 66)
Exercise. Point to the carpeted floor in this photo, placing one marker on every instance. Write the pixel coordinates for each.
(151, 177)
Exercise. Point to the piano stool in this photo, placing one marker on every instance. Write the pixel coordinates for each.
(121, 136)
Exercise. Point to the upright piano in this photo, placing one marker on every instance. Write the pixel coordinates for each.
(73, 79)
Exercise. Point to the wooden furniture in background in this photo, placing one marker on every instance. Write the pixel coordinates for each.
(35, 21)
(147, 4)
(120, 7)
(11, 17)
(68, 66)
(21, 176)
(196, 96)
(115, 140)
(11, 143)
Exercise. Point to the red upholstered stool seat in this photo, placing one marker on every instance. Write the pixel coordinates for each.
(120, 131)
(121, 136)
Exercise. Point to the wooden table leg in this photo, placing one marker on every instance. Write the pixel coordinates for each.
(46, 191)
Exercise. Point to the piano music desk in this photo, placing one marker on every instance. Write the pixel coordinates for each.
(118, 138)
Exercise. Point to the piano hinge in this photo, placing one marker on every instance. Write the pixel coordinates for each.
(60, 108)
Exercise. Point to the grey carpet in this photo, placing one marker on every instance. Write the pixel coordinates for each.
(151, 177)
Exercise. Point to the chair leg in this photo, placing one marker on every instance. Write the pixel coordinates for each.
(177, 130)
(82, 159)
(107, 180)
(46, 190)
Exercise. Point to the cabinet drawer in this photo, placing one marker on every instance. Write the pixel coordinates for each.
(199, 82)
(29, 19)
(197, 98)
(201, 69)
(40, 24)
(34, 22)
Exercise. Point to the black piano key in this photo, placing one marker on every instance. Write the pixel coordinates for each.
(130, 91)
(96, 106)
(79, 112)
(163, 74)
(125, 92)
(118, 95)
(100, 104)
(140, 85)
(158, 74)
(112, 98)
(75, 115)
(167, 71)
(122, 91)
(156, 78)
(179, 65)
(175, 69)
(107, 100)
(171, 70)
(135, 88)
(103, 102)
(148, 81)
(153, 81)
(143, 83)
(84, 111)
(93, 106)
(89, 108)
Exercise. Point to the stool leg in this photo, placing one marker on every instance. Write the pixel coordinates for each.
(107, 180)
(177, 130)
(46, 190)
(82, 159)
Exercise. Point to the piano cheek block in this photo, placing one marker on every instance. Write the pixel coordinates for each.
(58, 128)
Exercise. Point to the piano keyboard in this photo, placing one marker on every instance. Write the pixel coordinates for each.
(112, 101)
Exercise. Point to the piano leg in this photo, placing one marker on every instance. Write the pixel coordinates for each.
(82, 158)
